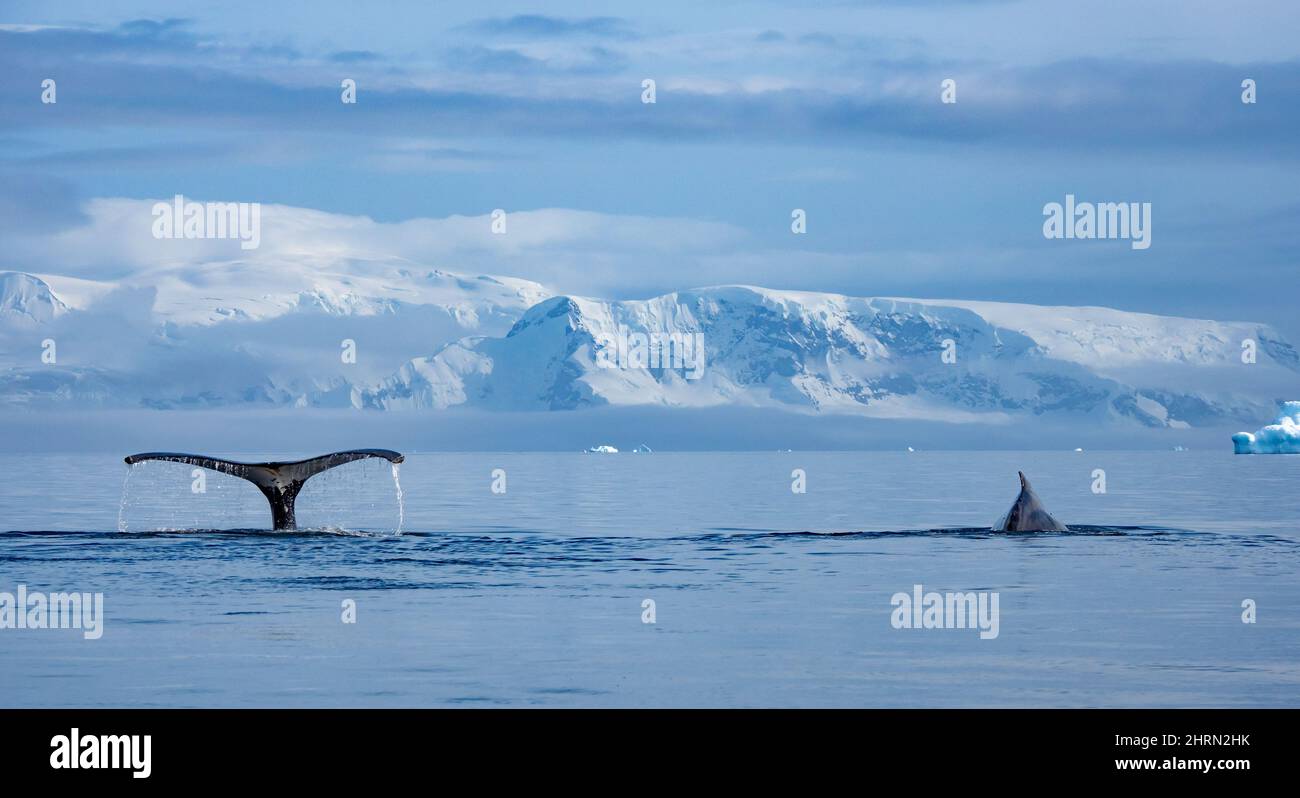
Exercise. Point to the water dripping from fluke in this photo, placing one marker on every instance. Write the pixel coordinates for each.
(121, 507)
(401, 505)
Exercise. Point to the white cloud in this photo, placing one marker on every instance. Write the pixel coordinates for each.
(572, 249)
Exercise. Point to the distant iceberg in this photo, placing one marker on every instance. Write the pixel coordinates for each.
(643, 449)
(1280, 437)
(602, 449)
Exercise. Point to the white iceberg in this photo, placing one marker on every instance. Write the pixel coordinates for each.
(604, 448)
(1280, 437)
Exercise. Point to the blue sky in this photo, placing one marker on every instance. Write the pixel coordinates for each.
(762, 107)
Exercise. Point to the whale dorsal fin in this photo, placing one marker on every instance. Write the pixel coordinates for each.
(278, 481)
(1028, 514)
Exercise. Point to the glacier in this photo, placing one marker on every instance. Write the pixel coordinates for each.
(877, 357)
(234, 334)
(1280, 437)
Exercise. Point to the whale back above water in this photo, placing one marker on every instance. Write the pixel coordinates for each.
(1028, 513)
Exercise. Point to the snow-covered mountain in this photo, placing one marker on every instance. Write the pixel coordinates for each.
(877, 357)
(208, 293)
(231, 334)
(26, 300)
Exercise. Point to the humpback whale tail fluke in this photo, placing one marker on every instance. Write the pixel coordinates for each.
(279, 482)
(1028, 513)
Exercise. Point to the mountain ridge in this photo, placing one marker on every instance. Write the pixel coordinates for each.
(504, 344)
(881, 356)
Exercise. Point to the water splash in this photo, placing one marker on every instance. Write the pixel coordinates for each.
(121, 508)
(401, 505)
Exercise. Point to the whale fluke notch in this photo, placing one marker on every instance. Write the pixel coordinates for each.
(279, 482)
(1028, 513)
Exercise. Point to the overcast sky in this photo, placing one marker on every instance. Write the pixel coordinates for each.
(762, 108)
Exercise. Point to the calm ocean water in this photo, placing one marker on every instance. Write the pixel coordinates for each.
(762, 597)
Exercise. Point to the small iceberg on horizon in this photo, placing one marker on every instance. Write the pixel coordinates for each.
(1280, 437)
(604, 448)
(643, 449)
